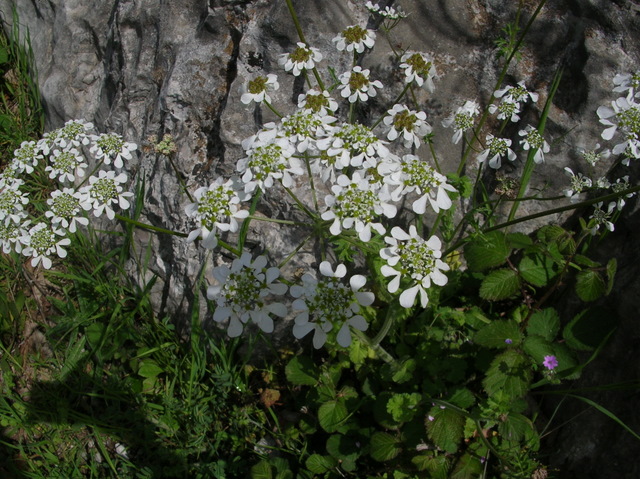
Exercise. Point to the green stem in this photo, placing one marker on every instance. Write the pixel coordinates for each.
(244, 229)
(149, 227)
(530, 164)
(552, 211)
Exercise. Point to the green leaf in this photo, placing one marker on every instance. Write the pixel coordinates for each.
(302, 371)
(403, 406)
(516, 428)
(590, 285)
(545, 323)
(468, 467)
(149, 369)
(508, 373)
(261, 470)
(380, 412)
(612, 267)
(343, 448)
(487, 251)
(500, 284)
(446, 429)
(586, 330)
(495, 334)
(519, 240)
(537, 347)
(331, 415)
(436, 466)
(384, 446)
(585, 261)
(537, 269)
(320, 464)
(463, 398)
(558, 235)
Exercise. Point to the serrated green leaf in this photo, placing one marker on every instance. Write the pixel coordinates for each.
(463, 398)
(261, 470)
(500, 284)
(508, 373)
(519, 240)
(612, 267)
(384, 447)
(302, 371)
(537, 269)
(583, 260)
(497, 334)
(436, 466)
(537, 347)
(320, 464)
(331, 415)
(590, 285)
(404, 372)
(487, 251)
(545, 323)
(445, 428)
(343, 448)
(403, 406)
(467, 467)
(380, 413)
(586, 330)
(516, 428)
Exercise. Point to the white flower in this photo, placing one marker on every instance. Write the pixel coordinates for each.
(593, 156)
(355, 85)
(259, 88)
(418, 67)
(411, 174)
(624, 116)
(355, 38)
(506, 110)
(110, 147)
(409, 124)
(357, 204)
(242, 294)
(601, 217)
(303, 127)
(496, 148)
(620, 185)
(104, 191)
(12, 201)
(11, 232)
(627, 83)
(267, 161)
(417, 260)
(462, 120)
(353, 145)
(216, 207)
(516, 94)
(388, 12)
(65, 164)
(26, 157)
(41, 241)
(302, 58)
(65, 209)
(319, 102)
(578, 184)
(73, 134)
(329, 304)
(534, 141)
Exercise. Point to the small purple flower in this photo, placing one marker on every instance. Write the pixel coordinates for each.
(550, 362)
(508, 341)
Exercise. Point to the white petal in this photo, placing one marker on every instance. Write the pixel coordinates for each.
(408, 296)
(235, 327)
(344, 336)
(357, 281)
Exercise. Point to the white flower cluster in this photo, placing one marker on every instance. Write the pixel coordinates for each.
(366, 179)
(63, 155)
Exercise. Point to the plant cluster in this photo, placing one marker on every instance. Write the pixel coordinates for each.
(468, 325)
